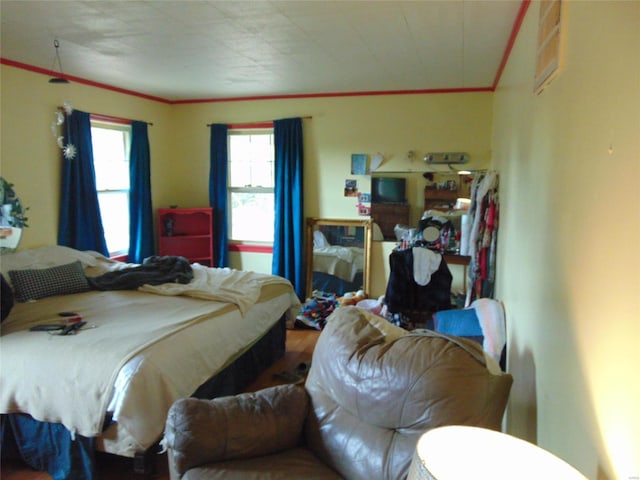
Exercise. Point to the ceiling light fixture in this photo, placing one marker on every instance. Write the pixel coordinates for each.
(61, 78)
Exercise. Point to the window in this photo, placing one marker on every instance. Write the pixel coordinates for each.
(251, 185)
(111, 143)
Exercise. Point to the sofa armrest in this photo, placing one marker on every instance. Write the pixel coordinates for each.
(245, 425)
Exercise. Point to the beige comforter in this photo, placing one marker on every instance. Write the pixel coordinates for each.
(69, 379)
(220, 284)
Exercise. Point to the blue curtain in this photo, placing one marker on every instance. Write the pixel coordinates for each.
(218, 193)
(80, 224)
(140, 210)
(288, 242)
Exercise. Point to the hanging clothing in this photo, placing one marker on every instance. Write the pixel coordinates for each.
(484, 209)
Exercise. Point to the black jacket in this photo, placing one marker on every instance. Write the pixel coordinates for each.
(404, 294)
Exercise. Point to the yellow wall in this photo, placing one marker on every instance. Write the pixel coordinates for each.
(569, 161)
(30, 158)
(391, 125)
(179, 141)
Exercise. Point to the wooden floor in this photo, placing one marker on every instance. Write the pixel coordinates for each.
(300, 345)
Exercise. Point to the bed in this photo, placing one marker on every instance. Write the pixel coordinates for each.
(140, 350)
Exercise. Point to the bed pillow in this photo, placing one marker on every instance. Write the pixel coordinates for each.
(47, 282)
(45, 257)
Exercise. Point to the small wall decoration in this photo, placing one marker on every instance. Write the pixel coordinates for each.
(376, 161)
(364, 204)
(350, 188)
(69, 150)
(359, 164)
(364, 197)
(364, 210)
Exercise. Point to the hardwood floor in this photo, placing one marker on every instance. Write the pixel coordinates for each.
(300, 345)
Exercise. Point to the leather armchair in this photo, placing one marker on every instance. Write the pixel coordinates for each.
(372, 390)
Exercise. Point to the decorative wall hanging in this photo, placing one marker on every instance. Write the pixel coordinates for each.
(359, 164)
(350, 188)
(364, 204)
(376, 161)
(69, 150)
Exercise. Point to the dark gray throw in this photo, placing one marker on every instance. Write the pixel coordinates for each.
(154, 270)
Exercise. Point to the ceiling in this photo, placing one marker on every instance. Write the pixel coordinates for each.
(188, 50)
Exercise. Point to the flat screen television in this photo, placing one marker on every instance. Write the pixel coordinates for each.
(388, 190)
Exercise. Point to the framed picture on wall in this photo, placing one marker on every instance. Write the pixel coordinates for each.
(364, 197)
(359, 163)
(350, 188)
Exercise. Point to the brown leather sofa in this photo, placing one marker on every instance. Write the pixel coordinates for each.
(372, 390)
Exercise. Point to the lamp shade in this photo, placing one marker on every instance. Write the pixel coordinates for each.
(461, 453)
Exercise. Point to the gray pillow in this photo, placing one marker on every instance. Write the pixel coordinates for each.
(47, 282)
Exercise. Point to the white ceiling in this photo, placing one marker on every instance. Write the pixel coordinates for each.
(181, 50)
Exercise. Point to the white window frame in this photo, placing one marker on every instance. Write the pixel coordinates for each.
(126, 130)
(259, 189)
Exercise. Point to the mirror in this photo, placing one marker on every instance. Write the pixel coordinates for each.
(12, 218)
(338, 254)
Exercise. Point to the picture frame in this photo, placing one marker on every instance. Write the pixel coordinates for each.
(359, 164)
